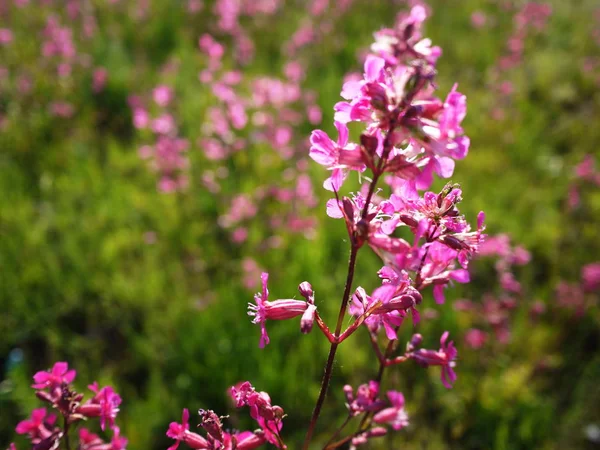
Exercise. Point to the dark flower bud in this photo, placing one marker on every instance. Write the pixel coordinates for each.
(453, 242)
(348, 208)
(369, 143)
(409, 220)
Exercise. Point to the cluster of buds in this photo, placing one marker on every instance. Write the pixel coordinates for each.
(54, 387)
(268, 416)
(375, 411)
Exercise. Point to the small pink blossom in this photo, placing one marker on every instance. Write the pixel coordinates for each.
(105, 404)
(475, 338)
(590, 275)
(162, 95)
(268, 416)
(58, 375)
(365, 400)
(181, 433)
(396, 416)
(444, 357)
(265, 310)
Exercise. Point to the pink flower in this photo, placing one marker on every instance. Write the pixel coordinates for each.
(99, 78)
(212, 48)
(366, 398)
(276, 310)
(444, 357)
(164, 124)
(6, 36)
(105, 404)
(335, 155)
(141, 118)
(38, 427)
(478, 19)
(89, 440)
(395, 415)
(475, 338)
(590, 275)
(181, 433)
(246, 440)
(268, 416)
(118, 442)
(59, 374)
(162, 95)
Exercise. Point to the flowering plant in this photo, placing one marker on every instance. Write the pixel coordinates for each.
(48, 430)
(409, 136)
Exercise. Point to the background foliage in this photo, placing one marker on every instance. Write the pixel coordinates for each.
(145, 289)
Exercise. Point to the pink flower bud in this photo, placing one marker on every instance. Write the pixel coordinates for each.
(308, 319)
(306, 290)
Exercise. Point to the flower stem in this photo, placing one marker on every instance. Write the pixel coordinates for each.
(337, 432)
(332, 350)
(66, 431)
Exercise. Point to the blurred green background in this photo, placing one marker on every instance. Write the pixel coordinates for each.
(148, 290)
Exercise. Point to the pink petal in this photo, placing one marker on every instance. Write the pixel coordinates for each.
(342, 133)
(373, 67)
(438, 294)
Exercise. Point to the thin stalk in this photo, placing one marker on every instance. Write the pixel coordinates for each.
(338, 431)
(387, 146)
(332, 350)
(67, 442)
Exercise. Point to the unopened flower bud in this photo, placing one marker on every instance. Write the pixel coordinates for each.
(308, 318)
(348, 208)
(359, 440)
(377, 432)
(370, 143)
(306, 291)
(348, 392)
(453, 242)
(409, 220)
(44, 396)
(415, 342)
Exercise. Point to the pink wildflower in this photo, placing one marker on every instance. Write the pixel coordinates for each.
(105, 404)
(58, 375)
(590, 275)
(336, 156)
(273, 310)
(444, 357)
(395, 415)
(181, 433)
(475, 338)
(162, 95)
(38, 427)
(268, 416)
(366, 398)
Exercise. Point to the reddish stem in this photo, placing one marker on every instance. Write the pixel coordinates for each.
(332, 350)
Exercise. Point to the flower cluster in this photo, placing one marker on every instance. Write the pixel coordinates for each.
(268, 416)
(54, 387)
(367, 400)
(422, 238)
(167, 155)
(424, 241)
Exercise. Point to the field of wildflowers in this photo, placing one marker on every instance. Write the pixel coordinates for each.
(161, 162)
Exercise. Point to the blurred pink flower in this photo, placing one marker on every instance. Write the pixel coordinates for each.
(55, 377)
